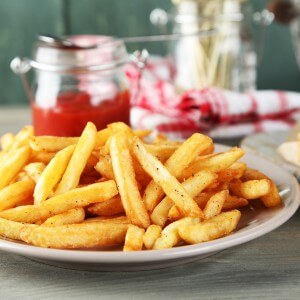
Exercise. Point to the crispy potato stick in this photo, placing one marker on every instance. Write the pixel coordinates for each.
(34, 170)
(169, 184)
(22, 176)
(215, 163)
(120, 219)
(231, 202)
(174, 214)
(102, 137)
(141, 133)
(215, 204)
(75, 236)
(72, 216)
(162, 151)
(42, 156)
(76, 198)
(125, 178)
(15, 193)
(12, 164)
(235, 171)
(109, 207)
(180, 159)
(78, 160)
(51, 143)
(169, 236)
(52, 174)
(104, 167)
(11, 229)
(193, 186)
(272, 198)
(211, 229)
(152, 233)
(134, 238)
(252, 189)
(22, 138)
(121, 127)
(6, 141)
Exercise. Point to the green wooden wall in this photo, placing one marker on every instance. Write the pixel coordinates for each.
(21, 20)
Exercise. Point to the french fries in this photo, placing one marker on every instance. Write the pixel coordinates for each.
(78, 160)
(134, 238)
(72, 216)
(125, 178)
(211, 229)
(52, 174)
(111, 187)
(15, 193)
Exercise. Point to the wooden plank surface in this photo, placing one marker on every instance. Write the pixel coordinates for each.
(266, 268)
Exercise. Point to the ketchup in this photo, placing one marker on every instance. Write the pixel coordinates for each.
(74, 109)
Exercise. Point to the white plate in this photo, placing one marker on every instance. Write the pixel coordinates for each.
(256, 221)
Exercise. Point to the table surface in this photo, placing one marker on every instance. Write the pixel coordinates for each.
(267, 267)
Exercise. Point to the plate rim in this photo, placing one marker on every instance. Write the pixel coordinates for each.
(117, 257)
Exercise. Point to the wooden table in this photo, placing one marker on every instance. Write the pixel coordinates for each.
(268, 268)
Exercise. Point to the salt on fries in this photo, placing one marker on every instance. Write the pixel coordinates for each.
(115, 187)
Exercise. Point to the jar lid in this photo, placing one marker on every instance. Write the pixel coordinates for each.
(78, 54)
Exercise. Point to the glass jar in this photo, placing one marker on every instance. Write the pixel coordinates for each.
(227, 59)
(76, 83)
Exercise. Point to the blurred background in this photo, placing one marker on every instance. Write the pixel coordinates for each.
(21, 21)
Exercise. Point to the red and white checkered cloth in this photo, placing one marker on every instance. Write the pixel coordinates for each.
(219, 113)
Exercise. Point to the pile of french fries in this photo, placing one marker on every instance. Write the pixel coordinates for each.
(121, 187)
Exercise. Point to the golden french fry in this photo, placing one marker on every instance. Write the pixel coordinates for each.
(211, 229)
(52, 174)
(51, 143)
(120, 219)
(215, 204)
(120, 127)
(109, 207)
(34, 170)
(76, 198)
(73, 236)
(6, 141)
(41, 156)
(235, 171)
(193, 186)
(104, 167)
(174, 214)
(180, 159)
(169, 236)
(125, 178)
(15, 193)
(169, 184)
(162, 151)
(72, 216)
(13, 163)
(272, 198)
(233, 202)
(141, 133)
(102, 137)
(215, 163)
(22, 138)
(152, 233)
(134, 238)
(10, 229)
(251, 189)
(22, 176)
(78, 160)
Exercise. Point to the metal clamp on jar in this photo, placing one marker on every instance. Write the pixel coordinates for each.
(77, 80)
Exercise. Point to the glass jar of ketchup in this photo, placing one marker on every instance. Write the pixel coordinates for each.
(76, 80)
